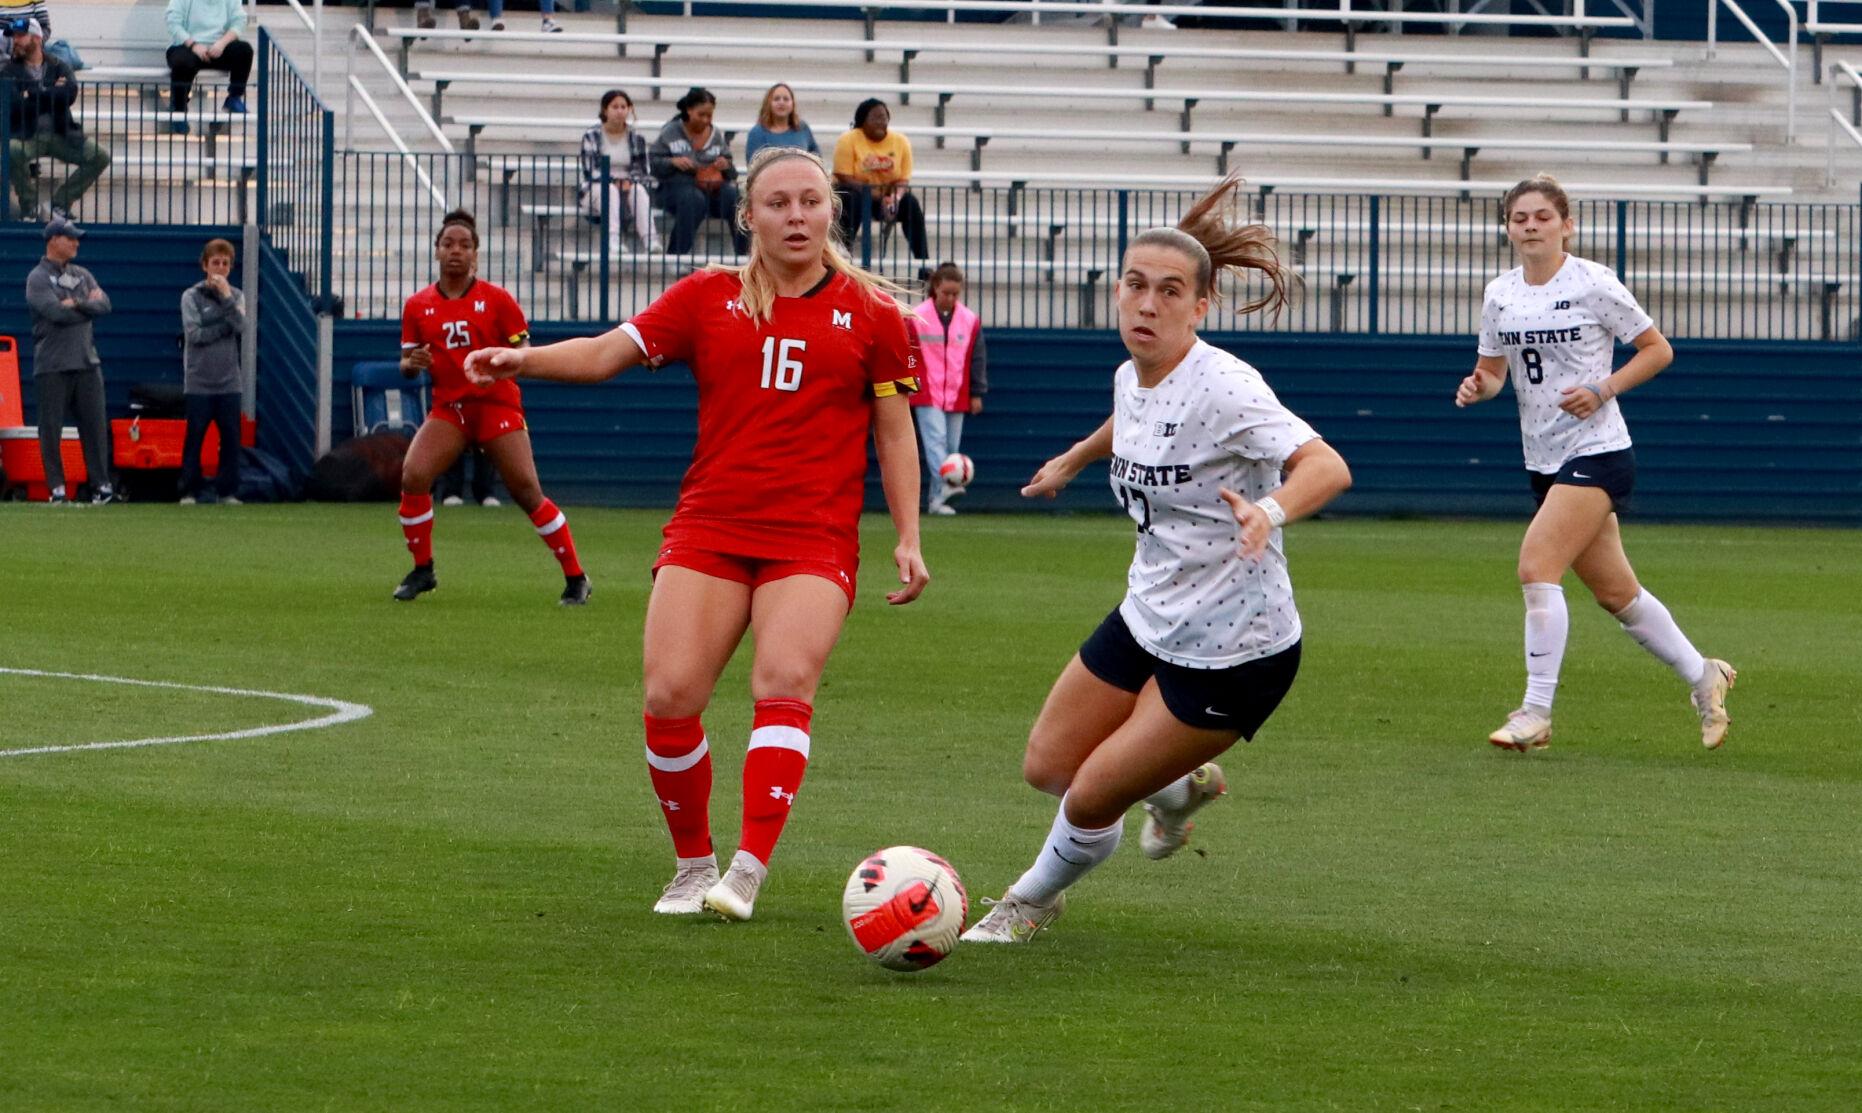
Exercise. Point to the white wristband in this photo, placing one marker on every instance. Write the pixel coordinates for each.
(1275, 516)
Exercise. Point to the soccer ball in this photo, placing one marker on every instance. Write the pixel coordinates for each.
(904, 908)
(956, 470)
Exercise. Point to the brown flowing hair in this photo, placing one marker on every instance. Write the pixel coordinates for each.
(759, 285)
(766, 115)
(1220, 244)
(1539, 183)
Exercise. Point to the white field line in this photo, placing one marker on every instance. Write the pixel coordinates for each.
(341, 711)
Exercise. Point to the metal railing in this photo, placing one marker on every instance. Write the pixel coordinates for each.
(1786, 57)
(297, 164)
(1049, 258)
(1847, 124)
(151, 166)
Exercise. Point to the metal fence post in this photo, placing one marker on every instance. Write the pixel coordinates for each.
(1376, 253)
(6, 166)
(327, 257)
(866, 227)
(1622, 241)
(1124, 223)
(604, 237)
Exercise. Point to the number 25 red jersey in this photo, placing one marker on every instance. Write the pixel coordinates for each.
(784, 410)
(485, 316)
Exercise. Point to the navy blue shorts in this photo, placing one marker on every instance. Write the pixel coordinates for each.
(1615, 472)
(1239, 698)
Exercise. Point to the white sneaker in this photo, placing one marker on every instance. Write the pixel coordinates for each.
(550, 26)
(1013, 919)
(1710, 702)
(1167, 830)
(491, 500)
(452, 500)
(231, 500)
(734, 896)
(685, 894)
(941, 509)
(1157, 23)
(188, 500)
(1524, 730)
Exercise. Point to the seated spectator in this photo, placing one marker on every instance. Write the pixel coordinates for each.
(213, 322)
(630, 179)
(696, 178)
(423, 14)
(204, 35)
(873, 161)
(779, 124)
(40, 92)
(11, 11)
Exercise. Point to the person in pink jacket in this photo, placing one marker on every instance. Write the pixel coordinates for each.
(955, 378)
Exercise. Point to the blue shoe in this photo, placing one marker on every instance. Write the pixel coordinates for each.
(235, 105)
(179, 127)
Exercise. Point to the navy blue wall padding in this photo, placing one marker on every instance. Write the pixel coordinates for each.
(1733, 431)
(287, 367)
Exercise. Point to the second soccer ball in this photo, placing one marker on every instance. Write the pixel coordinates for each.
(957, 470)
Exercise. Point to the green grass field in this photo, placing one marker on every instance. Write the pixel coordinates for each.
(445, 905)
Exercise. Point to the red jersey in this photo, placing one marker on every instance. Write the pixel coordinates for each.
(784, 410)
(485, 316)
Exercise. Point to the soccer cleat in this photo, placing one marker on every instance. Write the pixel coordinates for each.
(734, 896)
(1710, 702)
(685, 893)
(575, 591)
(1524, 730)
(1014, 919)
(416, 583)
(1167, 830)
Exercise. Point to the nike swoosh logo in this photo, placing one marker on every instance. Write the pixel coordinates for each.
(1579, 475)
(1069, 861)
(1217, 714)
(1539, 654)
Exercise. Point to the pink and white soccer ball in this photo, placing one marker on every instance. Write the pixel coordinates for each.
(957, 470)
(904, 908)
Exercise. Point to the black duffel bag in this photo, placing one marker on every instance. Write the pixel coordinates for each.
(157, 400)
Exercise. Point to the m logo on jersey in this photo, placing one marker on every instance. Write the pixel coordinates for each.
(1165, 429)
(478, 307)
(843, 319)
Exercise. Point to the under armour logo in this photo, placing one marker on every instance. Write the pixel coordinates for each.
(669, 805)
(776, 793)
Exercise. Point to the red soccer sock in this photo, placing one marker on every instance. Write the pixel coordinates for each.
(417, 526)
(553, 528)
(773, 772)
(679, 762)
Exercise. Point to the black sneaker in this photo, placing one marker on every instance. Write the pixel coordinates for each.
(575, 591)
(420, 580)
(103, 496)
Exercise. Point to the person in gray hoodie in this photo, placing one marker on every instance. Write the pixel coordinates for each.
(213, 319)
(64, 299)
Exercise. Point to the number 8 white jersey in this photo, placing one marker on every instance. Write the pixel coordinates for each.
(1213, 422)
(1554, 337)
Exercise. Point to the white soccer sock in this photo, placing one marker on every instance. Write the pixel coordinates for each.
(1172, 796)
(1547, 623)
(1654, 629)
(1071, 852)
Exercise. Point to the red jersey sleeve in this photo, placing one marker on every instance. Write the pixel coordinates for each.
(409, 334)
(893, 368)
(665, 330)
(513, 329)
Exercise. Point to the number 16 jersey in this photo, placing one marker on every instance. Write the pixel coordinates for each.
(1554, 337)
(784, 410)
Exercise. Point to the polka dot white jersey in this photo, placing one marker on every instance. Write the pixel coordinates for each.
(1554, 337)
(1213, 422)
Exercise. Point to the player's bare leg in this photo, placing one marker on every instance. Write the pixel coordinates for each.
(1149, 751)
(1605, 569)
(797, 621)
(437, 444)
(1566, 524)
(1081, 712)
(693, 625)
(517, 466)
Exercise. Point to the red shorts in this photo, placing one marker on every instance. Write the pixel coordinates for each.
(756, 571)
(481, 422)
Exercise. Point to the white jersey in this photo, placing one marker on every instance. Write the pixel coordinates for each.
(1191, 598)
(1554, 337)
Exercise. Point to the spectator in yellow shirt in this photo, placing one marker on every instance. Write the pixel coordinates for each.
(871, 160)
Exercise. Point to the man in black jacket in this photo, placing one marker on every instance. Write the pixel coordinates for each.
(41, 92)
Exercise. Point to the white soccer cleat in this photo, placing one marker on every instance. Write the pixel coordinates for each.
(733, 897)
(1013, 919)
(1710, 702)
(1525, 729)
(685, 894)
(1167, 830)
